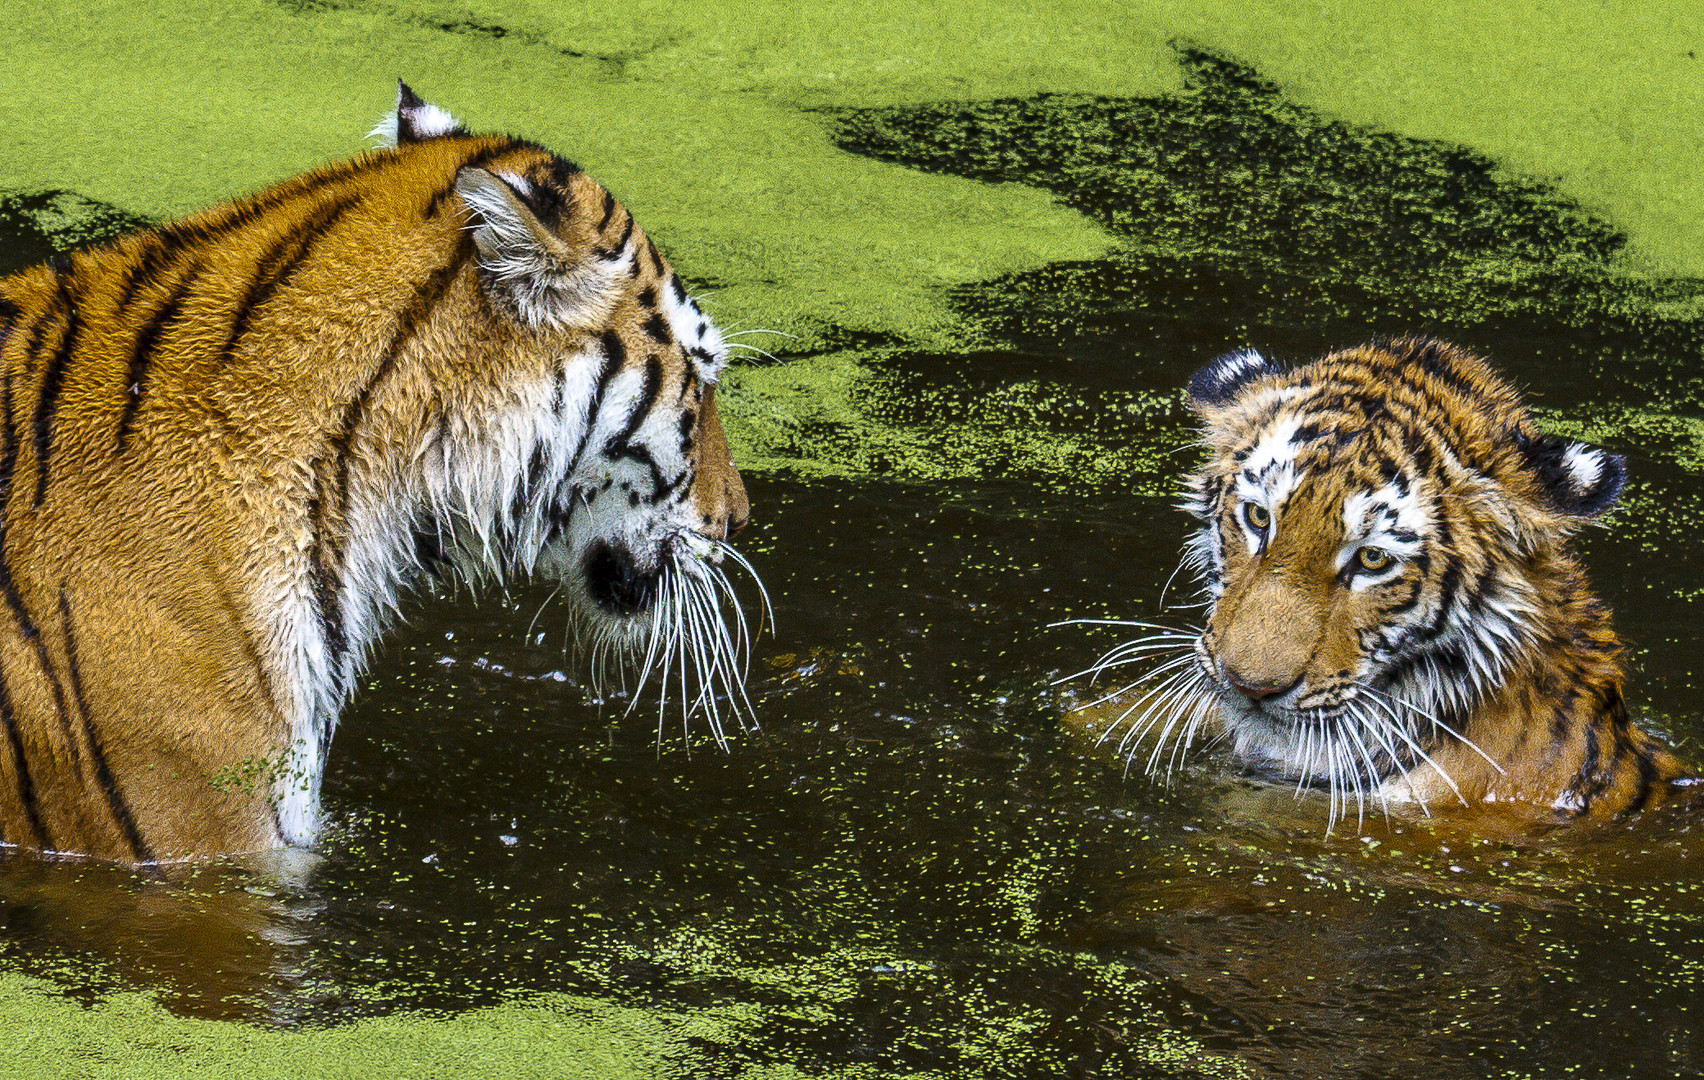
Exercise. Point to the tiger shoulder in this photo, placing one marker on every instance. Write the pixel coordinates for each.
(229, 444)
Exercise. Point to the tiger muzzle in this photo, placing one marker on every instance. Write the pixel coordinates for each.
(615, 581)
(1266, 638)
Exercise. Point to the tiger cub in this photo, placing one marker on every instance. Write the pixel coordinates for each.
(229, 443)
(1392, 609)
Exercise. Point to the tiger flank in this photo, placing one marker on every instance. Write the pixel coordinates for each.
(1393, 613)
(230, 443)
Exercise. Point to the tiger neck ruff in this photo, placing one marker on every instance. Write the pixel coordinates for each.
(1392, 609)
(230, 443)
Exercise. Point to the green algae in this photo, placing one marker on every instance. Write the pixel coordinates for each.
(700, 116)
(130, 1035)
(954, 323)
(1243, 218)
(1311, 213)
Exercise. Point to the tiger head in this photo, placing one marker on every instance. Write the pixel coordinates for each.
(1382, 545)
(570, 423)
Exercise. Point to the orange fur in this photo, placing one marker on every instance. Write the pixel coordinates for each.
(213, 422)
(1394, 611)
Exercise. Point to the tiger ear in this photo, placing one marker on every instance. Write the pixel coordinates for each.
(414, 120)
(1574, 479)
(528, 269)
(1218, 382)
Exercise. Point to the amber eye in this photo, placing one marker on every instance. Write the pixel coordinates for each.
(1257, 516)
(1372, 559)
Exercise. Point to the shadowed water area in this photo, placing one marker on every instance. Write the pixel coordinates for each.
(919, 865)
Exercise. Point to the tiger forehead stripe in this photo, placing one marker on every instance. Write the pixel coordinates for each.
(1397, 517)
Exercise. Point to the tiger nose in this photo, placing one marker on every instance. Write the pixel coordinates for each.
(736, 524)
(1258, 689)
(738, 505)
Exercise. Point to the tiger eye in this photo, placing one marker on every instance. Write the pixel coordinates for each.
(1372, 559)
(1258, 516)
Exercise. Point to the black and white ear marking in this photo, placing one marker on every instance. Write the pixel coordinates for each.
(414, 120)
(527, 268)
(1218, 382)
(1578, 480)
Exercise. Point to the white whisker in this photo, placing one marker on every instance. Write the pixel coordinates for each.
(1127, 687)
(1393, 700)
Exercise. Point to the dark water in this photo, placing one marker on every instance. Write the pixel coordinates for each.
(918, 863)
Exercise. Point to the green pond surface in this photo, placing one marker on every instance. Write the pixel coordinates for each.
(998, 240)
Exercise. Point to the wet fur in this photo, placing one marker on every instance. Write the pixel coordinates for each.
(230, 443)
(1474, 665)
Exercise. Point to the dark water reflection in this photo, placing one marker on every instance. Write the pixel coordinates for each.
(918, 863)
(914, 864)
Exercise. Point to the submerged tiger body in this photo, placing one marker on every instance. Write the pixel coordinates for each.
(1393, 611)
(231, 442)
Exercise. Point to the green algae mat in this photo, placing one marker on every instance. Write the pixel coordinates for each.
(984, 246)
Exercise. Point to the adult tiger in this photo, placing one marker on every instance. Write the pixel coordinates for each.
(1392, 607)
(231, 441)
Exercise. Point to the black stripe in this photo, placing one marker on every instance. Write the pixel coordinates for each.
(618, 444)
(559, 389)
(1586, 784)
(664, 487)
(165, 243)
(614, 359)
(38, 332)
(620, 245)
(325, 556)
(31, 634)
(149, 262)
(177, 236)
(609, 211)
(142, 352)
(8, 586)
(8, 445)
(26, 785)
(535, 471)
(278, 266)
(103, 774)
(1647, 780)
(9, 314)
(688, 427)
(8, 462)
(474, 161)
(52, 382)
(277, 822)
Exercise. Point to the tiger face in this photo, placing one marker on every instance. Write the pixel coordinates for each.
(631, 505)
(1391, 607)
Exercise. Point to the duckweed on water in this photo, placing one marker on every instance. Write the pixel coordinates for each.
(1002, 236)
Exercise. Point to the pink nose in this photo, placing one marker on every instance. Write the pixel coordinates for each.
(1257, 690)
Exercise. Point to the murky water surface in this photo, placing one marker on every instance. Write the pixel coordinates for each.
(918, 863)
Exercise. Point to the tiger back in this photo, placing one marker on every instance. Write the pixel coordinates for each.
(229, 444)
